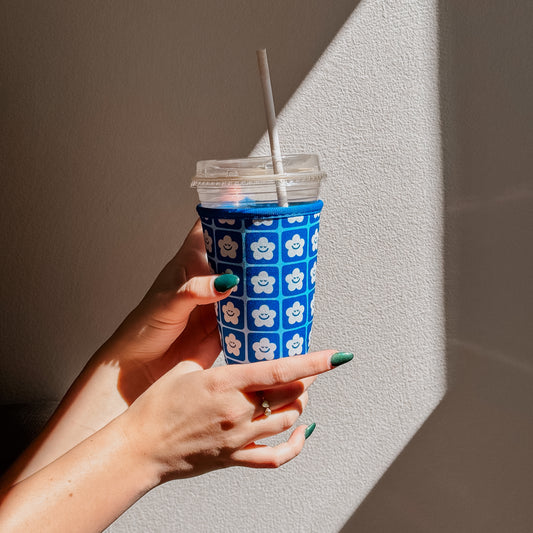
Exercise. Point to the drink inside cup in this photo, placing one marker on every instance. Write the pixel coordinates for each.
(272, 249)
(251, 181)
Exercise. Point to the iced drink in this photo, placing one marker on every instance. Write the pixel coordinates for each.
(272, 249)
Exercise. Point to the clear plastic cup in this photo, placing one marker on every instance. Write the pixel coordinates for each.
(251, 181)
(272, 249)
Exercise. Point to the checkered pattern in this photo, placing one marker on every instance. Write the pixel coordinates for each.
(270, 314)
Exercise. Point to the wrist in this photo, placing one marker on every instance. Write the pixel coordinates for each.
(136, 453)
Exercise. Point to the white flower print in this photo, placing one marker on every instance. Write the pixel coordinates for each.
(312, 306)
(231, 313)
(264, 349)
(260, 222)
(295, 280)
(295, 345)
(295, 313)
(228, 247)
(292, 220)
(263, 249)
(264, 316)
(313, 273)
(233, 345)
(317, 215)
(295, 246)
(263, 283)
(314, 240)
(229, 221)
(208, 241)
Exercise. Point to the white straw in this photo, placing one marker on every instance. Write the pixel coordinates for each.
(270, 112)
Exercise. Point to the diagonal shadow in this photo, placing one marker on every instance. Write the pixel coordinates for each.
(469, 468)
(106, 107)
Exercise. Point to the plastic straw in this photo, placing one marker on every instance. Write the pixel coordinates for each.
(281, 189)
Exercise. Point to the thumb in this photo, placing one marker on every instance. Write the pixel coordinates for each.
(201, 290)
(162, 316)
(172, 309)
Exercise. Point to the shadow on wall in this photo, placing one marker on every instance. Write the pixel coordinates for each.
(105, 109)
(470, 467)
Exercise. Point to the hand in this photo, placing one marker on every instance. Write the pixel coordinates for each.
(171, 324)
(194, 421)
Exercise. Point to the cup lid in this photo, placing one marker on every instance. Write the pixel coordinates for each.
(295, 166)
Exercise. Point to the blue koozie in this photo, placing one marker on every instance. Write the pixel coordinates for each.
(273, 250)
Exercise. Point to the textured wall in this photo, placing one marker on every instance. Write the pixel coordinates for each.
(370, 108)
(470, 467)
(108, 106)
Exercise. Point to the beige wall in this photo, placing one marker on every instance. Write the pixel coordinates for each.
(470, 467)
(106, 106)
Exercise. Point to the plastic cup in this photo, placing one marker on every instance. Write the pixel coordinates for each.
(272, 249)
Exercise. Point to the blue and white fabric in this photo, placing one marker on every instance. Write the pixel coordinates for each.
(273, 250)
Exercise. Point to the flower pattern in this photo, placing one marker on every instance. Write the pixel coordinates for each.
(263, 249)
(278, 250)
(263, 283)
(264, 349)
(295, 246)
(228, 247)
(295, 280)
(231, 313)
(233, 345)
(264, 316)
(313, 273)
(295, 313)
(314, 241)
(208, 242)
(295, 345)
(292, 220)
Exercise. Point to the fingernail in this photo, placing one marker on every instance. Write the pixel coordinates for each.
(309, 429)
(340, 358)
(225, 282)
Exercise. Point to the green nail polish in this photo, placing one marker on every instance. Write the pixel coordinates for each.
(340, 358)
(225, 282)
(309, 429)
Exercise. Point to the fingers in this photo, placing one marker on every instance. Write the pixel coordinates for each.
(280, 396)
(163, 316)
(195, 237)
(190, 260)
(259, 456)
(279, 421)
(202, 290)
(174, 307)
(268, 374)
(200, 340)
(201, 357)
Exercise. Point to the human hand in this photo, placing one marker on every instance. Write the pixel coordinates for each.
(187, 423)
(193, 421)
(171, 324)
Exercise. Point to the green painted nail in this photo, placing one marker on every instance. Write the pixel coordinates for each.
(309, 429)
(225, 282)
(340, 358)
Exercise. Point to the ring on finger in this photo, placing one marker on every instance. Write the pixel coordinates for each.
(265, 404)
